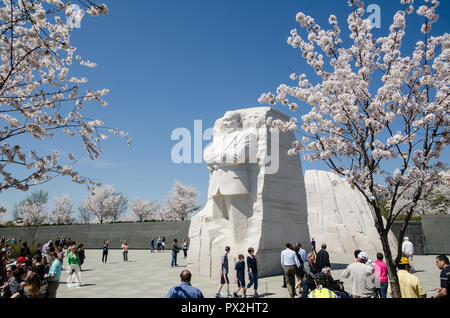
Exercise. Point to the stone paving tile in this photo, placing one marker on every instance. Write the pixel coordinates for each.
(150, 275)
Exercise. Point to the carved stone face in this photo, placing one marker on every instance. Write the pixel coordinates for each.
(232, 120)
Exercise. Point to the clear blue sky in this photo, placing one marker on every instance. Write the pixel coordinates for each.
(168, 63)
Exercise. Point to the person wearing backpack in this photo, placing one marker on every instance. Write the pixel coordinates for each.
(310, 271)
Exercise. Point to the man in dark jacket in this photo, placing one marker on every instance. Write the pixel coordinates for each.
(25, 250)
(323, 259)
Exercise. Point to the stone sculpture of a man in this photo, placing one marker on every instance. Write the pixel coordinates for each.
(229, 158)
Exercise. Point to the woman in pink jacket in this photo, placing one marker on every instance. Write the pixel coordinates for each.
(381, 272)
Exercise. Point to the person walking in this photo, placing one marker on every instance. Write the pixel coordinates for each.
(175, 251)
(240, 277)
(313, 245)
(152, 245)
(289, 263)
(310, 271)
(408, 252)
(185, 289)
(301, 251)
(53, 275)
(300, 270)
(410, 286)
(381, 272)
(81, 254)
(442, 263)
(163, 244)
(361, 275)
(323, 258)
(185, 247)
(73, 260)
(105, 251)
(224, 273)
(252, 267)
(125, 251)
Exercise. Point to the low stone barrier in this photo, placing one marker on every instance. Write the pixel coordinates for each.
(138, 235)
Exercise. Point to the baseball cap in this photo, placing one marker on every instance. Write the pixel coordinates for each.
(21, 259)
(363, 255)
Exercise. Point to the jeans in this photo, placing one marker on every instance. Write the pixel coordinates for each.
(174, 259)
(152, 249)
(104, 257)
(253, 277)
(125, 256)
(383, 290)
(185, 252)
(306, 288)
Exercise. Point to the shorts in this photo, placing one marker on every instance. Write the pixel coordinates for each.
(241, 283)
(224, 279)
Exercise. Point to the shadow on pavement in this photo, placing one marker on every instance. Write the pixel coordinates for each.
(338, 266)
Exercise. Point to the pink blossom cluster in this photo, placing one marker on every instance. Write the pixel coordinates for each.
(62, 210)
(354, 124)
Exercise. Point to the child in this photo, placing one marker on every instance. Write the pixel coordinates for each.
(240, 276)
(224, 273)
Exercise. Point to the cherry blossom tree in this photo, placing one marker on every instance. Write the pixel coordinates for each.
(36, 197)
(368, 108)
(38, 96)
(144, 210)
(103, 203)
(181, 202)
(433, 200)
(62, 210)
(32, 215)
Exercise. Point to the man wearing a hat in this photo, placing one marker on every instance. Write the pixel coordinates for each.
(410, 286)
(362, 277)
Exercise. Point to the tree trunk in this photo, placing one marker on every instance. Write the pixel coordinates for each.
(390, 262)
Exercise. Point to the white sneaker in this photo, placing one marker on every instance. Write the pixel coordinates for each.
(77, 286)
(70, 285)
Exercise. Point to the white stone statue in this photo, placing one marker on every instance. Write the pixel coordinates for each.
(256, 195)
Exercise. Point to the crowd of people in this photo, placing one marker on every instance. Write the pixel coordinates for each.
(37, 274)
(310, 274)
(369, 279)
(306, 275)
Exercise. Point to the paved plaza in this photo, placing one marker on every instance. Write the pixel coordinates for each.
(150, 275)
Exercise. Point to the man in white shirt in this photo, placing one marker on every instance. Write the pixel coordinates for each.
(362, 277)
(290, 263)
(408, 251)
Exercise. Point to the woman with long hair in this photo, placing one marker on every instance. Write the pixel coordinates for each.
(33, 287)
